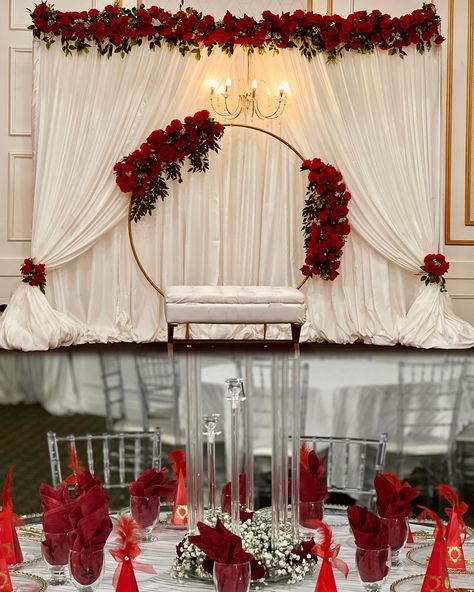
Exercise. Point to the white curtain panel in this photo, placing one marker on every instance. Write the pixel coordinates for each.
(375, 117)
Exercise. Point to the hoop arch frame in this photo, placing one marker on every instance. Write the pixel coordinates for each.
(130, 233)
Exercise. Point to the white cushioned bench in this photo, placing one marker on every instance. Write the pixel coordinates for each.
(234, 305)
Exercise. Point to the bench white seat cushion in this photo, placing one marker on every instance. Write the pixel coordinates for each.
(234, 304)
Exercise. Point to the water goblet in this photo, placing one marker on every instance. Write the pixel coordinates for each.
(87, 569)
(397, 536)
(232, 577)
(55, 548)
(373, 566)
(145, 511)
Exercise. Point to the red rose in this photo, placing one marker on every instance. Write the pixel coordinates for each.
(93, 13)
(439, 39)
(405, 23)
(306, 270)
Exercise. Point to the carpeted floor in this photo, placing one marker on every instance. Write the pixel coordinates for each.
(23, 444)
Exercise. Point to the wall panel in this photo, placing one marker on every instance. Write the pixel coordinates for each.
(20, 196)
(21, 73)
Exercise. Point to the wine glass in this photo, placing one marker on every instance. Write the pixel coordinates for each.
(87, 569)
(373, 566)
(55, 548)
(397, 536)
(145, 511)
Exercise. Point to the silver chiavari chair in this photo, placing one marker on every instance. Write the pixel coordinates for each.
(351, 464)
(158, 378)
(117, 459)
(428, 417)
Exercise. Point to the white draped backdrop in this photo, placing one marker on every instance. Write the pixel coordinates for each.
(375, 117)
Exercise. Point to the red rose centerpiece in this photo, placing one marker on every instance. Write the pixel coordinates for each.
(433, 269)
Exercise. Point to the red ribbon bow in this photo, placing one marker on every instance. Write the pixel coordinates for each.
(329, 555)
(128, 537)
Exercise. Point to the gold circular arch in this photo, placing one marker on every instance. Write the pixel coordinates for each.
(130, 233)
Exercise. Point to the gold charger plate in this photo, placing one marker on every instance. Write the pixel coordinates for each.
(421, 555)
(26, 582)
(459, 583)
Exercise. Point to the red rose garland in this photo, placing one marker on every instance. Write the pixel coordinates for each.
(34, 274)
(433, 269)
(325, 223)
(117, 30)
(145, 172)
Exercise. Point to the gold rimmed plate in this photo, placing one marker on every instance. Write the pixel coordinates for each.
(421, 555)
(459, 583)
(26, 582)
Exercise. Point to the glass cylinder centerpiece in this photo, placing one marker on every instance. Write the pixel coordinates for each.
(279, 526)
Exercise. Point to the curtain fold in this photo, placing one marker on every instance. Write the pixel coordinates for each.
(375, 117)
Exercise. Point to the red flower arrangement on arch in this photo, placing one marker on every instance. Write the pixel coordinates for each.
(118, 30)
(325, 223)
(34, 274)
(145, 171)
(433, 269)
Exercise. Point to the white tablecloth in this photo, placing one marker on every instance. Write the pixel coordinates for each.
(162, 552)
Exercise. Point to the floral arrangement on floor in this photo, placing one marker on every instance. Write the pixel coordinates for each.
(433, 269)
(34, 274)
(145, 171)
(325, 223)
(286, 563)
(117, 30)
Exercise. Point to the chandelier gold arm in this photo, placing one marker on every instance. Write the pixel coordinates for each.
(130, 233)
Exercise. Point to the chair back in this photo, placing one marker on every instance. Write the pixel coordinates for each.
(158, 379)
(429, 401)
(111, 373)
(351, 463)
(117, 459)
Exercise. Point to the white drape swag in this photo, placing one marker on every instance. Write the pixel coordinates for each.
(376, 117)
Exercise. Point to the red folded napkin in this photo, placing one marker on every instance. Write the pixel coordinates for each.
(219, 544)
(226, 494)
(370, 534)
(393, 502)
(92, 526)
(313, 486)
(223, 546)
(396, 483)
(152, 483)
(8, 521)
(57, 507)
(85, 482)
(456, 530)
(368, 530)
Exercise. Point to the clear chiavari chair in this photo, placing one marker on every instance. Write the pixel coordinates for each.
(158, 378)
(117, 459)
(351, 464)
(428, 418)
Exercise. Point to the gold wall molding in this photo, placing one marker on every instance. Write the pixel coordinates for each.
(468, 175)
(448, 239)
(309, 5)
(330, 7)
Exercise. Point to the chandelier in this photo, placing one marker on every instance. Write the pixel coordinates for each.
(250, 100)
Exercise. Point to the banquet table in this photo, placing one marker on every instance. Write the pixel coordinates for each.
(162, 551)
